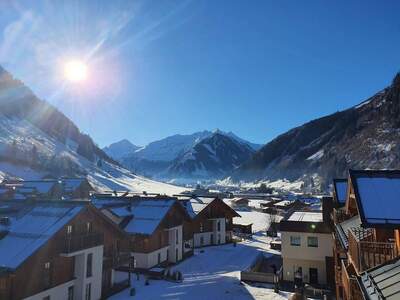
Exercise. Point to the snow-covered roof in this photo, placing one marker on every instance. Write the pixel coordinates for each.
(340, 186)
(144, 214)
(32, 230)
(42, 186)
(195, 205)
(378, 196)
(306, 216)
(71, 184)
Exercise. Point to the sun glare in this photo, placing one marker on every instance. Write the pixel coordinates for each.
(75, 70)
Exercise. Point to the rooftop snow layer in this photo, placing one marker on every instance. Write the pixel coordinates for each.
(42, 186)
(379, 197)
(30, 231)
(306, 216)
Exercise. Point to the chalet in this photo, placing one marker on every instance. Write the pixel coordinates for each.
(307, 248)
(45, 189)
(58, 250)
(240, 202)
(76, 188)
(211, 220)
(367, 241)
(154, 226)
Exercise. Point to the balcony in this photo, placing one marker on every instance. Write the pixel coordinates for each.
(75, 243)
(339, 215)
(365, 253)
(116, 260)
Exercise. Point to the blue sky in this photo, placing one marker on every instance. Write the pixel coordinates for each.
(157, 68)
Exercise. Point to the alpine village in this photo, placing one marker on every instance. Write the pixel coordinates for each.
(313, 212)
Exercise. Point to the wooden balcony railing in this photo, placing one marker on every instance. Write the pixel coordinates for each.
(339, 216)
(366, 254)
(351, 289)
(75, 243)
(117, 260)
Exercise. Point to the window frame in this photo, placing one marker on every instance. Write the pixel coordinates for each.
(315, 238)
(292, 237)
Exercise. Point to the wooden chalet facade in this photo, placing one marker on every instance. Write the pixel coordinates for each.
(211, 222)
(59, 251)
(366, 233)
(155, 228)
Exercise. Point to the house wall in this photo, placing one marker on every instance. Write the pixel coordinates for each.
(304, 256)
(291, 265)
(58, 292)
(325, 246)
(149, 260)
(28, 279)
(206, 239)
(175, 244)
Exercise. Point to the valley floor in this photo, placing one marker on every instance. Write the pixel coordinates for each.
(213, 274)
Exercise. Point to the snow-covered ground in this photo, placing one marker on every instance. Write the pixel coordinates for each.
(215, 273)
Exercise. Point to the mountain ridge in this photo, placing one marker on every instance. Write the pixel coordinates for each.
(363, 136)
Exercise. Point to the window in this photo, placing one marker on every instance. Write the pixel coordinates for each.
(177, 236)
(201, 241)
(201, 227)
(71, 292)
(295, 241)
(47, 274)
(218, 225)
(46, 298)
(312, 241)
(159, 257)
(3, 284)
(88, 291)
(89, 227)
(69, 229)
(89, 264)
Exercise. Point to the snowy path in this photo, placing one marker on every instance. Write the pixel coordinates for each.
(213, 274)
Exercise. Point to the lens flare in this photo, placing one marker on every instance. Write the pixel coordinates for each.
(75, 71)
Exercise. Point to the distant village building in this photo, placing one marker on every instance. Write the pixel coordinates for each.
(211, 220)
(240, 202)
(307, 248)
(58, 250)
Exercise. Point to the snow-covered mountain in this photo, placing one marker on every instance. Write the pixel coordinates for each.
(37, 140)
(120, 149)
(158, 158)
(363, 136)
(212, 157)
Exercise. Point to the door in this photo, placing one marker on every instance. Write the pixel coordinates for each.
(313, 276)
(212, 239)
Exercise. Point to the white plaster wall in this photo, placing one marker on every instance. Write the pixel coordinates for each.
(175, 244)
(303, 252)
(58, 292)
(80, 272)
(149, 260)
(119, 276)
(205, 235)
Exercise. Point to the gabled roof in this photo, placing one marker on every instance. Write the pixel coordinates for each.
(31, 229)
(71, 184)
(138, 216)
(196, 205)
(382, 282)
(377, 196)
(41, 186)
(340, 188)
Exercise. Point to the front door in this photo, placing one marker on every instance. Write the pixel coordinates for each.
(313, 276)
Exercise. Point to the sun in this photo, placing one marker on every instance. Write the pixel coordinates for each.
(75, 71)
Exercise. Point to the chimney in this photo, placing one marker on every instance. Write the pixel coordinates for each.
(327, 209)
